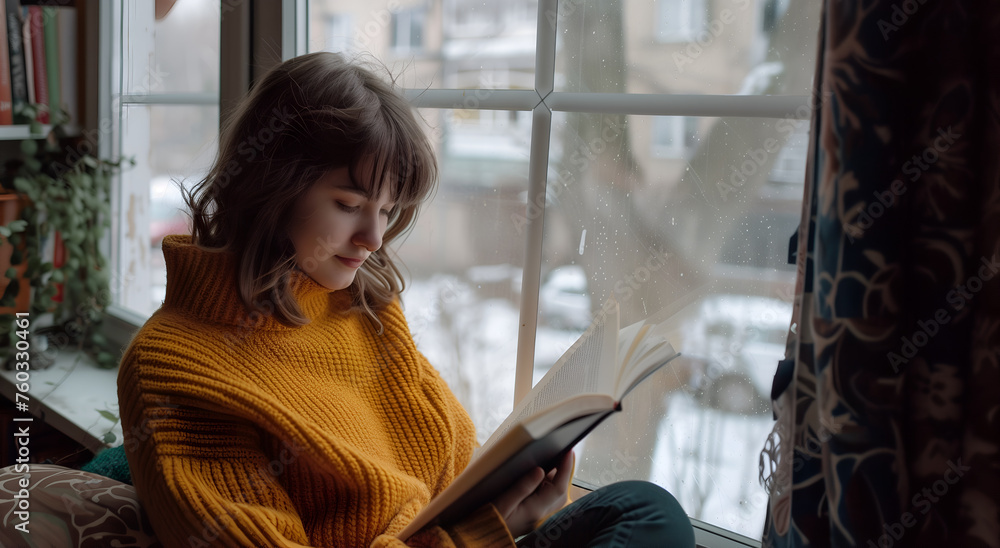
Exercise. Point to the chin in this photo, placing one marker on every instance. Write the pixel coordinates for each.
(332, 281)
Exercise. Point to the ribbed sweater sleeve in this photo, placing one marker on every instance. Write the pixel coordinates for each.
(202, 476)
(242, 431)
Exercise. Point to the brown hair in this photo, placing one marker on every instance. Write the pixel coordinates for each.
(305, 117)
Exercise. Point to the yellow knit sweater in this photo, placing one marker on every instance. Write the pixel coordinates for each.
(241, 431)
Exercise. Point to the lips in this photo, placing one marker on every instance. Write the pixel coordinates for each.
(350, 262)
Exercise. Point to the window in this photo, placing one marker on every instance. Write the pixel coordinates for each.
(637, 145)
(679, 20)
(407, 30)
(674, 136)
(167, 109)
(339, 32)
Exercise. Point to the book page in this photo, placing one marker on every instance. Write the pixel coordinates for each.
(588, 367)
(647, 351)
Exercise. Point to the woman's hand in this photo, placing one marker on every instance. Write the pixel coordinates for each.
(535, 496)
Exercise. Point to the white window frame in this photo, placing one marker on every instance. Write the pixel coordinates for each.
(115, 95)
(541, 102)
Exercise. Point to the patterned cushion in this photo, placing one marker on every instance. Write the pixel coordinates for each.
(70, 508)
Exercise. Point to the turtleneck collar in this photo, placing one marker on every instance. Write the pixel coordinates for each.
(202, 284)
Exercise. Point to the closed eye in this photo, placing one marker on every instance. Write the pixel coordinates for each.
(347, 208)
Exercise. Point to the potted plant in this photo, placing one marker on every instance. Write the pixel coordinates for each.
(64, 190)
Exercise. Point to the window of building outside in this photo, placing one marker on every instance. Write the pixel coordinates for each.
(679, 20)
(674, 136)
(407, 30)
(703, 233)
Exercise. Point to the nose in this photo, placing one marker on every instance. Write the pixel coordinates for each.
(369, 233)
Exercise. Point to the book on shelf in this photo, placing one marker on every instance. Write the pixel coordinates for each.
(6, 100)
(18, 72)
(29, 67)
(35, 23)
(53, 85)
(585, 386)
(37, 59)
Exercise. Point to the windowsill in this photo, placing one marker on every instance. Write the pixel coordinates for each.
(69, 396)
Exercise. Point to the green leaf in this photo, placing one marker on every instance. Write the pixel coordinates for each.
(106, 360)
(29, 147)
(20, 225)
(90, 161)
(57, 276)
(108, 415)
(11, 273)
(109, 437)
(5, 232)
(24, 185)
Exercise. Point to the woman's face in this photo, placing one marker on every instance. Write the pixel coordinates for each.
(335, 226)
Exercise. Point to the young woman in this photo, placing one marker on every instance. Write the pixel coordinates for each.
(277, 398)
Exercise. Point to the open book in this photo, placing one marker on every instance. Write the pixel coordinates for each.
(583, 388)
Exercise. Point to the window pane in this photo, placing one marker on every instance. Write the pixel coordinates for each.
(746, 47)
(465, 258)
(706, 232)
(170, 143)
(184, 47)
(451, 44)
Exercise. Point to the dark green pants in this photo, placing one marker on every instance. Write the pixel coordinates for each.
(628, 513)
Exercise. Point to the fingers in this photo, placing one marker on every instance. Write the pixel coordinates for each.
(507, 502)
(564, 472)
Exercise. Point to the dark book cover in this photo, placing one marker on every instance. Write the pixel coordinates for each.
(18, 72)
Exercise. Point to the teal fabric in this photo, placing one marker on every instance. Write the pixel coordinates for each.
(110, 463)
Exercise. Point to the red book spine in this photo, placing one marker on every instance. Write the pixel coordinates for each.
(39, 73)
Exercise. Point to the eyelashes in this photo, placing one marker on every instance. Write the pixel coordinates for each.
(346, 208)
(354, 209)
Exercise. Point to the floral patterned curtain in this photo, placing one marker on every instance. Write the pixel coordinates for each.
(888, 404)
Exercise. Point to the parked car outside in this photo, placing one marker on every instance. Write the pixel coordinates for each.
(739, 340)
(563, 299)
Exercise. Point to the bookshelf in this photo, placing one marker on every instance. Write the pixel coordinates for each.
(22, 131)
